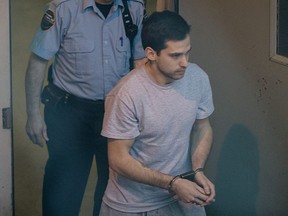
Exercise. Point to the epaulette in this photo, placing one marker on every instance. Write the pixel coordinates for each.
(145, 15)
(56, 3)
(139, 1)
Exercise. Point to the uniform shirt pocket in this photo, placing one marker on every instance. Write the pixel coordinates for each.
(122, 56)
(80, 54)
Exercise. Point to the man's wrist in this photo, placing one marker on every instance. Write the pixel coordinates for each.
(170, 185)
(184, 176)
(200, 169)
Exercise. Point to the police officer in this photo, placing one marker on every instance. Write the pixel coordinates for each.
(91, 53)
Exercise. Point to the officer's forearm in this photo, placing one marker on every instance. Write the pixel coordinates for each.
(35, 75)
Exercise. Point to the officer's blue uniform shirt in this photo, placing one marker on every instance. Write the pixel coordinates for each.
(91, 53)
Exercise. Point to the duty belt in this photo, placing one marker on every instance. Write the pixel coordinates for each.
(64, 97)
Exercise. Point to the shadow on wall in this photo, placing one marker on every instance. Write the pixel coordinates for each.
(237, 175)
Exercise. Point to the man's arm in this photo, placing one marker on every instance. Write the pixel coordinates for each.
(35, 74)
(201, 138)
(125, 165)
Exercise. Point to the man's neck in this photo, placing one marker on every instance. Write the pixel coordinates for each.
(155, 75)
(104, 8)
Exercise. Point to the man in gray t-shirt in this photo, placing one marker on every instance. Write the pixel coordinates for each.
(157, 125)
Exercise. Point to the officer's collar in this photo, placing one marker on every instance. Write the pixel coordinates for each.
(87, 4)
(91, 3)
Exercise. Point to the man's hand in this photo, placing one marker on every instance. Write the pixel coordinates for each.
(201, 192)
(189, 192)
(35, 73)
(36, 129)
(207, 185)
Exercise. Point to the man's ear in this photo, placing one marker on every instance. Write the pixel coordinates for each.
(150, 54)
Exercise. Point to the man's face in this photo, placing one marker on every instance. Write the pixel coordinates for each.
(172, 61)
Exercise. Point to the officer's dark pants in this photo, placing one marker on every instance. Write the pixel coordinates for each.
(74, 139)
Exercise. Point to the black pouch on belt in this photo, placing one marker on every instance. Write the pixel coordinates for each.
(51, 96)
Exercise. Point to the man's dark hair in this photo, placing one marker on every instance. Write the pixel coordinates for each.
(161, 27)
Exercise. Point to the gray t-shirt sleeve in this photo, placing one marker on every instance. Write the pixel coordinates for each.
(206, 106)
(120, 121)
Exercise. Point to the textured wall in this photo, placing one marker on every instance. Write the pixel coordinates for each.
(230, 40)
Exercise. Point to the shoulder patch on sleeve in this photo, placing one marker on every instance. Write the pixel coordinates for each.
(48, 20)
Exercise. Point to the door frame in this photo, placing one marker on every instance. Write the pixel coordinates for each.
(6, 153)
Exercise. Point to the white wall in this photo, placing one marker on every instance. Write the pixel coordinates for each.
(230, 40)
